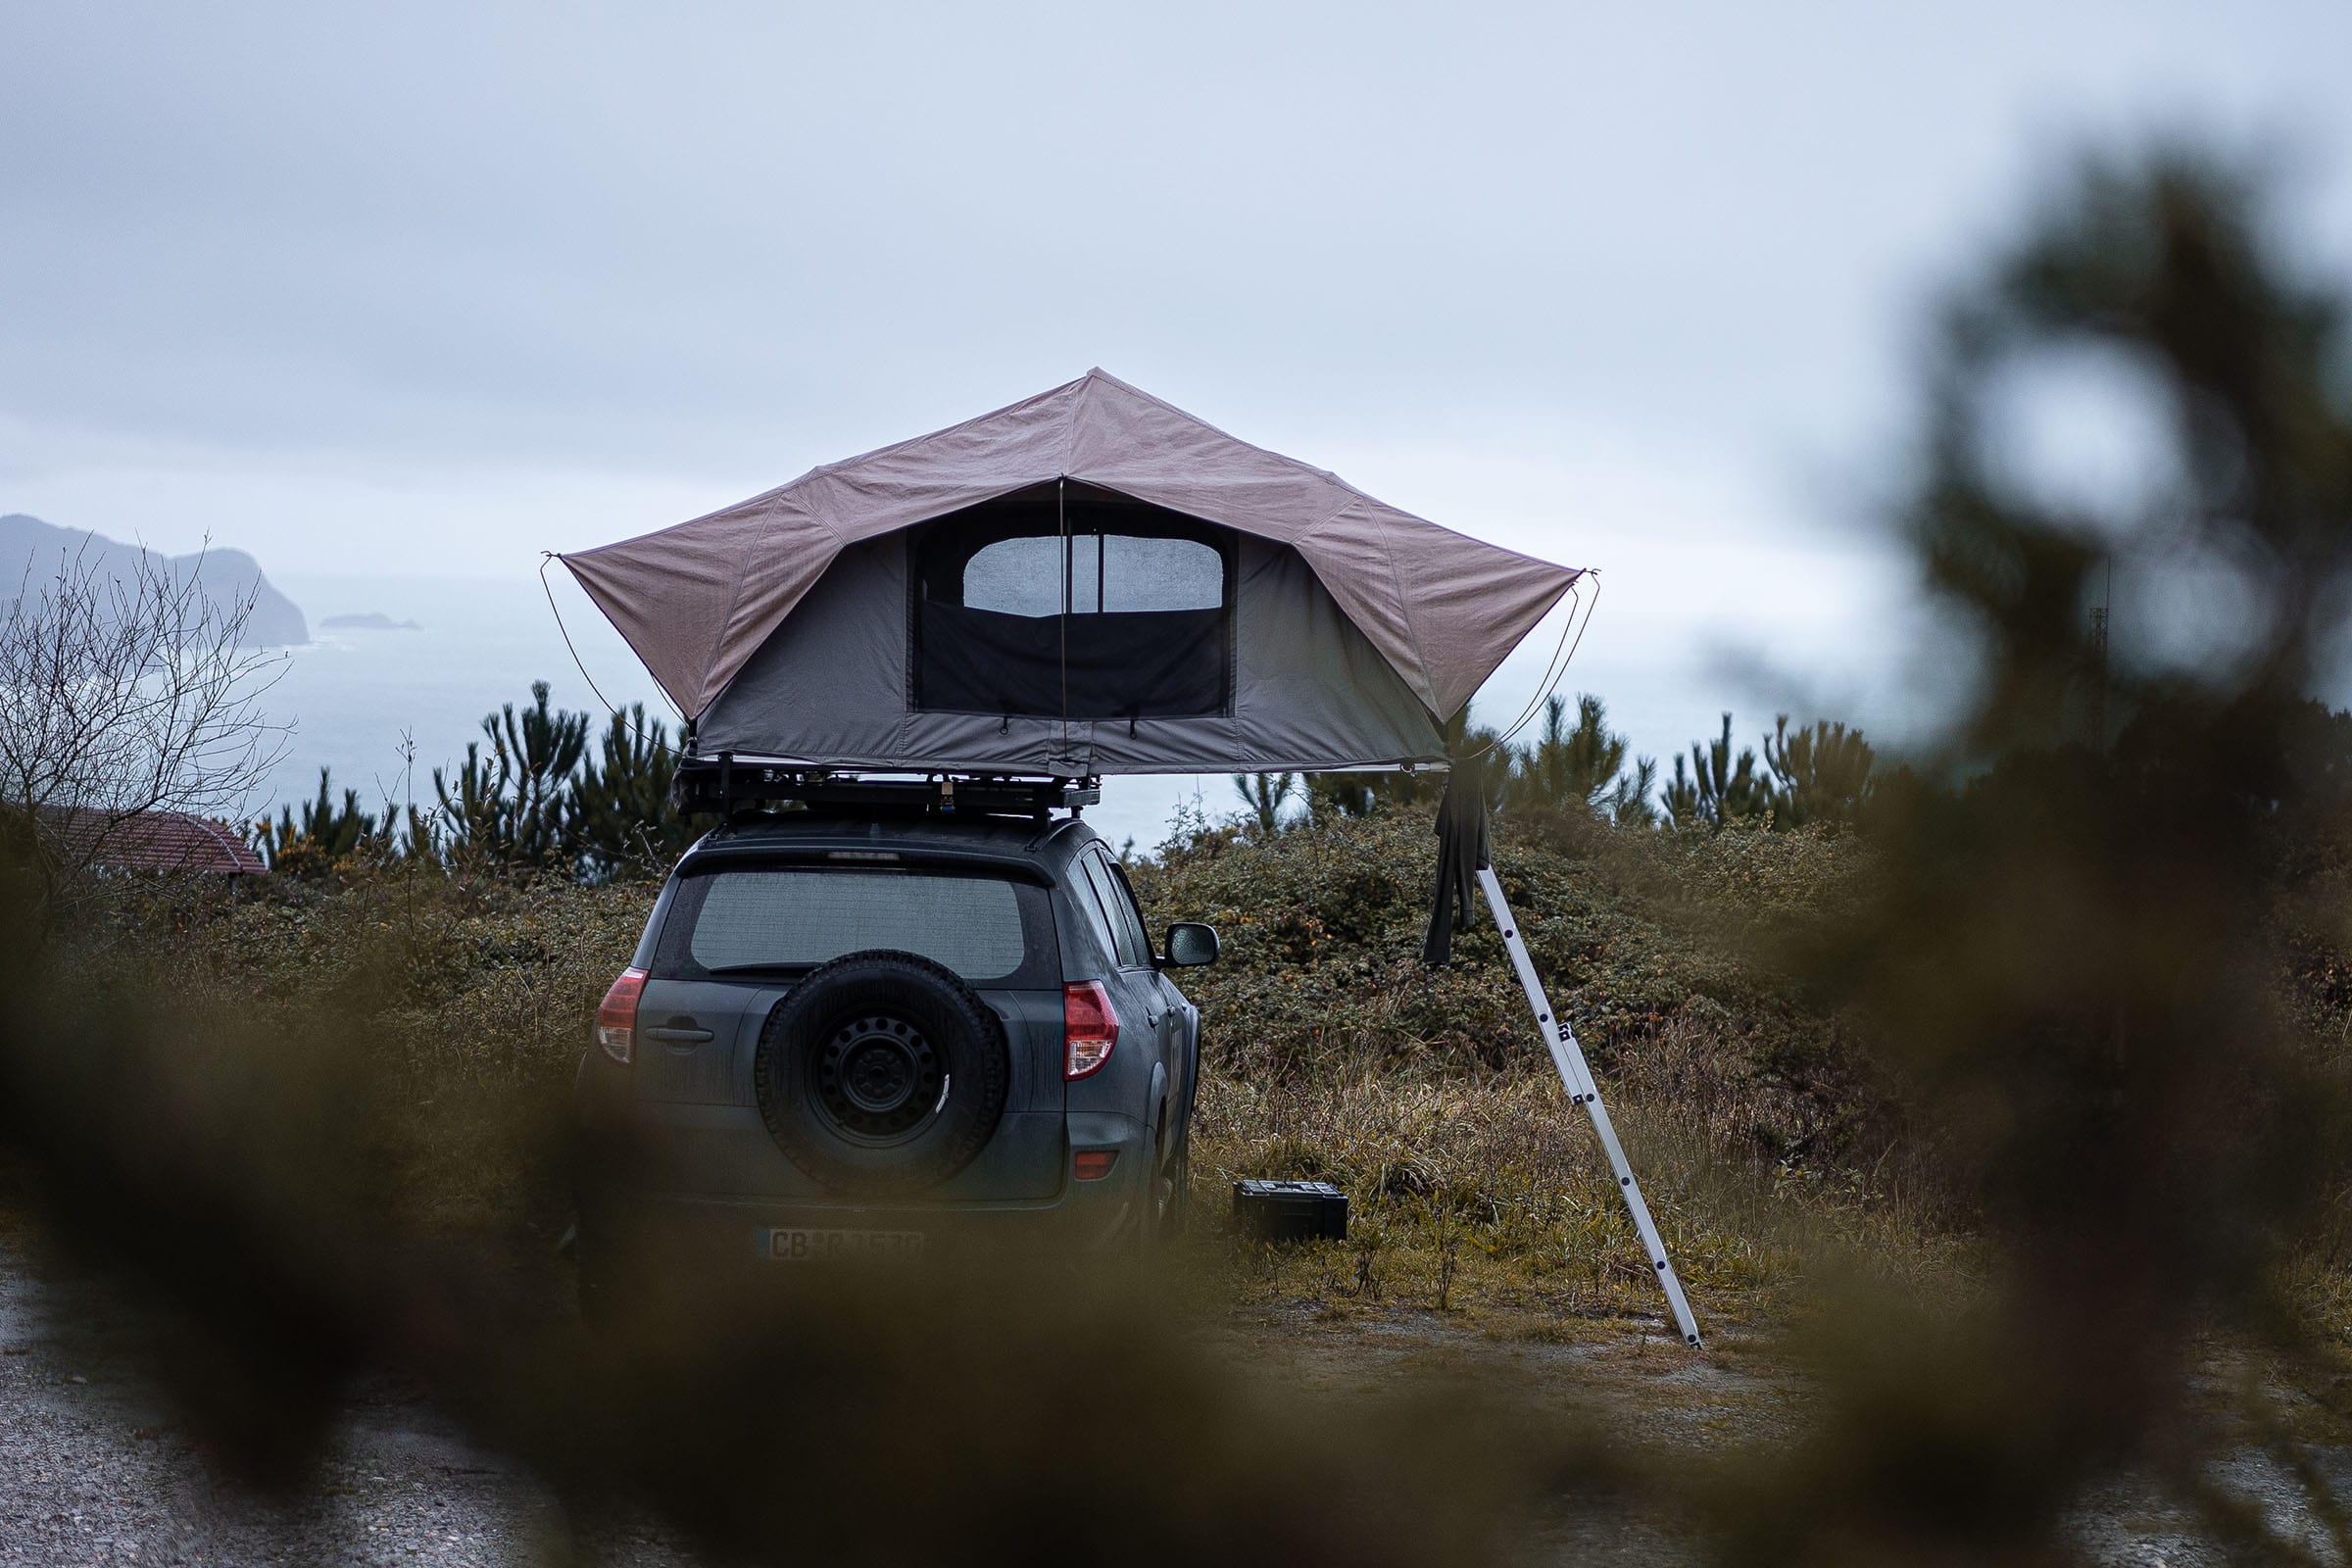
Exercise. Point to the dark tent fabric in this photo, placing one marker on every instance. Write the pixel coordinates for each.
(833, 686)
(1462, 853)
(1087, 582)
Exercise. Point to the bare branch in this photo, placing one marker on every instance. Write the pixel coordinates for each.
(124, 693)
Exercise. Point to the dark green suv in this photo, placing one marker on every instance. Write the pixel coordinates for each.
(853, 1035)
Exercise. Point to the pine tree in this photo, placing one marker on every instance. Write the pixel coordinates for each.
(1263, 794)
(1631, 801)
(1719, 790)
(1820, 775)
(512, 805)
(619, 816)
(1581, 766)
(327, 833)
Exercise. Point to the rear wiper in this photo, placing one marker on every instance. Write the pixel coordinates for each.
(758, 968)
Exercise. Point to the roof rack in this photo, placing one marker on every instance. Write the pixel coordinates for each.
(724, 785)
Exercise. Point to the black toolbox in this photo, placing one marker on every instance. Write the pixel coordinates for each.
(1291, 1212)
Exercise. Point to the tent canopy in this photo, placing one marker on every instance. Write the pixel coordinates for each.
(1088, 581)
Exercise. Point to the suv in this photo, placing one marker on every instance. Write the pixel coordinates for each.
(868, 1034)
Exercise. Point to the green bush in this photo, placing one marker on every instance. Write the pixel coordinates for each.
(1635, 934)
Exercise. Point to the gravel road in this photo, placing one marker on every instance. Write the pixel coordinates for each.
(93, 1471)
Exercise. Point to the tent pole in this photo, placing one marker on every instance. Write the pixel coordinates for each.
(1569, 1057)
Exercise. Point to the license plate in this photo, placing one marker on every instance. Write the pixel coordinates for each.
(789, 1244)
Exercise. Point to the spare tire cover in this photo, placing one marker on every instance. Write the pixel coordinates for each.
(882, 1072)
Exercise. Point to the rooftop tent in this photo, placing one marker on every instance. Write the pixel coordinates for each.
(1094, 582)
(1087, 582)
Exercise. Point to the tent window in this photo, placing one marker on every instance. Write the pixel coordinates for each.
(1016, 577)
(1101, 573)
(1072, 601)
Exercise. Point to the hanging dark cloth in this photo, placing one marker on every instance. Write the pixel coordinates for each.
(1461, 853)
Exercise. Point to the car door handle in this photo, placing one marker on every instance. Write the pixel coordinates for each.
(679, 1037)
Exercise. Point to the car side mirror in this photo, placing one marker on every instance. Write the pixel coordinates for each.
(1192, 945)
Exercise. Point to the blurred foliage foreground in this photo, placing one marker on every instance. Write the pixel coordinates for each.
(2014, 1120)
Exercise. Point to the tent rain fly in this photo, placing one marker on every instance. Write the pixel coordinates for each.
(1084, 583)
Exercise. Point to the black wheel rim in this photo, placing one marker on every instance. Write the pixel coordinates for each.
(878, 1078)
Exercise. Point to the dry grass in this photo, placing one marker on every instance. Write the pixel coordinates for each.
(1502, 1174)
(1330, 1053)
(1757, 1133)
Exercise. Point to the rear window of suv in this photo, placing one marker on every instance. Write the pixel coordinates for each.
(759, 919)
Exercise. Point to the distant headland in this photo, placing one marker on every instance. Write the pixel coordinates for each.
(30, 549)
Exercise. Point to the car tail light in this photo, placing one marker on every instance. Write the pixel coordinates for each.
(616, 1018)
(1093, 1164)
(1090, 1027)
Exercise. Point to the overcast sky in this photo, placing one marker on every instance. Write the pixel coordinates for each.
(1632, 286)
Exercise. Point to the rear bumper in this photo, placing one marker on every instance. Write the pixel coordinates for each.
(685, 1226)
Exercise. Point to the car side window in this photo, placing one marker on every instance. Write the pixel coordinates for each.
(1132, 906)
(1124, 924)
(1089, 892)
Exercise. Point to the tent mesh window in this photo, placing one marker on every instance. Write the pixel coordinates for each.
(1071, 602)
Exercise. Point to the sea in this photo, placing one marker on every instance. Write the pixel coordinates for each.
(384, 711)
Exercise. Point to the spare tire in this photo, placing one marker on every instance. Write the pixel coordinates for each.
(881, 1073)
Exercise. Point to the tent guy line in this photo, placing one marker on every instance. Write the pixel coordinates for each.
(1563, 654)
(580, 665)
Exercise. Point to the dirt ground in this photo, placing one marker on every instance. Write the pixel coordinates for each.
(94, 1471)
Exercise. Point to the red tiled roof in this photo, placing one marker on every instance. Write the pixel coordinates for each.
(151, 841)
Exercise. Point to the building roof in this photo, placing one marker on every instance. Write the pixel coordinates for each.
(151, 841)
